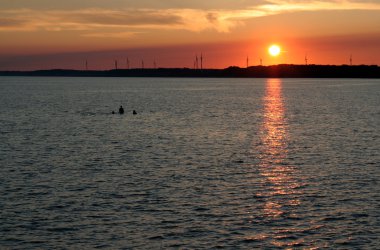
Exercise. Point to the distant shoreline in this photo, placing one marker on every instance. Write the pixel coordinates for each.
(275, 71)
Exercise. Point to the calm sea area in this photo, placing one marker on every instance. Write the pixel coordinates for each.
(205, 163)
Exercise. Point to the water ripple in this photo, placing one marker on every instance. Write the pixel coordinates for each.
(207, 163)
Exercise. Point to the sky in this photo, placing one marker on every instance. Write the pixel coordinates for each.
(46, 34)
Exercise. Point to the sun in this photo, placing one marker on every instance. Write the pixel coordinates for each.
(274, 50)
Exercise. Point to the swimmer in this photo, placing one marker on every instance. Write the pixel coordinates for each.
(121, 110)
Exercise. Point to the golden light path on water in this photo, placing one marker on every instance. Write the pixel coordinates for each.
(280, 185)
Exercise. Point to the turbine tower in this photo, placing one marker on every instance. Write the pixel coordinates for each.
(115, 64)
(201, 61)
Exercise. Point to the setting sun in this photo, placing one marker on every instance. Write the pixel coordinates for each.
(274, 50)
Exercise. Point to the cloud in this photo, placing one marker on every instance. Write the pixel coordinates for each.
(283, 6)
(125, 18)
(128, 20)
(88, 19)
(10, 22)
(111, 34)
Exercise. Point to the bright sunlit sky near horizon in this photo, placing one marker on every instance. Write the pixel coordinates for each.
(44, 34)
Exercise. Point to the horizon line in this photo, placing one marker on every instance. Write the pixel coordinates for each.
(195, 69)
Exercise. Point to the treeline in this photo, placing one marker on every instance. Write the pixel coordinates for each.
(275, 71)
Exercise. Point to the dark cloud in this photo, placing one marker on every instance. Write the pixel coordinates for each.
(212, 17)
(10, 22)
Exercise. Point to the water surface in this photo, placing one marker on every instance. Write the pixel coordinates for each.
(206, 163)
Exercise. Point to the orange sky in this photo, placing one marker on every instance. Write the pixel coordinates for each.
(43, 34)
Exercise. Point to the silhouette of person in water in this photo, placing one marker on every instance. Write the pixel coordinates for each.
(121, 110)
(134, 112)
(113, 112)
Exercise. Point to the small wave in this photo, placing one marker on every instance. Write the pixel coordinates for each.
(201, 209)
(156, 237)
(360, 215)
(62, 229)
(255, 238)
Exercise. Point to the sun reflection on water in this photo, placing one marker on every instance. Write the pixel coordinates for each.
(274, 127)
(280, 186)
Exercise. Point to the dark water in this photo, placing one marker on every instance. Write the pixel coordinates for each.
(206, 163)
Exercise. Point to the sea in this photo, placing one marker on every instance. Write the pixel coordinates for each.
(206, 163)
